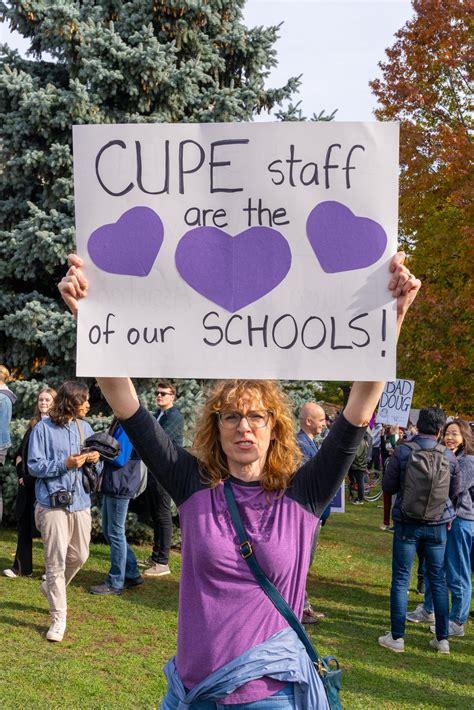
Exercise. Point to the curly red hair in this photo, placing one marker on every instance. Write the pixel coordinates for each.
(283, 456)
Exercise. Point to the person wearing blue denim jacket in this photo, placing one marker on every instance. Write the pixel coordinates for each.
(48, 451)
(7, 400)
(5, 419)
(409, 534)
(62, 514)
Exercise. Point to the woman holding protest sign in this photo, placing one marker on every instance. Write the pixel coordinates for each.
(235, 649)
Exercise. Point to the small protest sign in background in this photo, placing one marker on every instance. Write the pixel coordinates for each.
(395, 402)
(338, 502)
(237, 250)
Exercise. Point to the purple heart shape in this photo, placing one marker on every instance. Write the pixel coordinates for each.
(233, 271)
(342, 241)
(130, 245)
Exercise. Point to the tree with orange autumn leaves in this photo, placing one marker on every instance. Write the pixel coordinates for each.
(425, 86)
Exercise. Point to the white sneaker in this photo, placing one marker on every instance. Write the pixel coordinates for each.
(453, 629)
(56, 630)
(387, 641)
(420, 615)
(441, 646)
(9, 573)
(157, 571)
(44, 589)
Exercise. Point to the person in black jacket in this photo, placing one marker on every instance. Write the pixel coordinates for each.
(410, 534)
(25, 499)
(232, 641)
(358, 471)
(458, 438)
(245, 433)
(120, 481)
(159, 501)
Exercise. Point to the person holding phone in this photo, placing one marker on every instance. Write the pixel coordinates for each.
(62, 514)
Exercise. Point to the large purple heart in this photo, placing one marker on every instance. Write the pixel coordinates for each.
(130, 245)
(342, 241)
(233, 271)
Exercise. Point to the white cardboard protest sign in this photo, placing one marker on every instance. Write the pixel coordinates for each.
(237, 250)
(395, 402)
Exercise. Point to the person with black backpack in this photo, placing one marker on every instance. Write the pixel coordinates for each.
(458, 438)
(423, 474)
(121, 479)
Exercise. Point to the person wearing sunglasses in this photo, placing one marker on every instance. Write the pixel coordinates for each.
(235, 649)
(158, 501)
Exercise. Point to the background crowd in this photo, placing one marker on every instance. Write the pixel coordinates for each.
(125, 480)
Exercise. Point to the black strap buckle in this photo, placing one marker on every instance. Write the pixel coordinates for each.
(246, 549)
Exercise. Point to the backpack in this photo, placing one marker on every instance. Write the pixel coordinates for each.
(143, 480)
(128, 481)
(126, 447)
(425, 488)
(127, 476)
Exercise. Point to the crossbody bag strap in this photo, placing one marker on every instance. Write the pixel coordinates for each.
(81, 441)
(81, 438)
(81, 432)
(113, 426)
(246, 551)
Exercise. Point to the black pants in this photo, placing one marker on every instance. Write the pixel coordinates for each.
(25, 503)
(357, 477)
(314, 544)
(160, 512)
(376, 461)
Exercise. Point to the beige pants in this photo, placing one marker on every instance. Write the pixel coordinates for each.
(66, 537)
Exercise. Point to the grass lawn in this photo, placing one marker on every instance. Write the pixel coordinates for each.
(114, 648)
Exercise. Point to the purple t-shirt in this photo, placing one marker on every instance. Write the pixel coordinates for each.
(222, 609)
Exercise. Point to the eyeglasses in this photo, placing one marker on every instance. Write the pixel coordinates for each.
(160, 393)
(230, 419)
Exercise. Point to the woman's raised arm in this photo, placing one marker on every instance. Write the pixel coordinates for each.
(118, 391)
(120, 394)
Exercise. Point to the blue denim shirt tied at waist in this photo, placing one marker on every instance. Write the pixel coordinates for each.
(282, 657)
(49, 447)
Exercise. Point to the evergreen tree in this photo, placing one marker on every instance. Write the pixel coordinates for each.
(100, 62)
(104, 62)
(109, 62)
